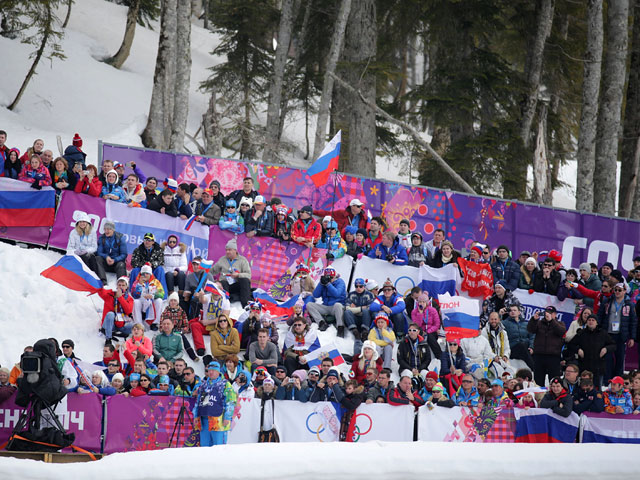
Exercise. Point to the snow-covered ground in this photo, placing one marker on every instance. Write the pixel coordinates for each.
(84, 95)
(354, 461)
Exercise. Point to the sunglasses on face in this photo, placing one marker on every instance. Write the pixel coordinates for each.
(359, 286)
(144, 380)
(113, 365)
(66, 346)
(414, 330)
(467, 381)
(619, 289)
(187, 374)
(453, 344)
(299, 325)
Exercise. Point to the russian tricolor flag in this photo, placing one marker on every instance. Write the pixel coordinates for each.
(22, 206)
(541, 425)
(437, 281)
(315, 357)
(71, 272)
(211, 287)
(327, 162)
(189, 224)
(275, 308)
(460, 316)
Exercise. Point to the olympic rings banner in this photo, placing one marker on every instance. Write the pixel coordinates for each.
(403, 277)
(307, 422)
(380, 421)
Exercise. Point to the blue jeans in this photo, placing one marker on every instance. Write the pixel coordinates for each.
(158, 272)
(210, 438)
(399, 323)
(109, 326)
(360, 320)
(173, 281)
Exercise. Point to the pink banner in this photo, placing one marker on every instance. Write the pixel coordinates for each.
(83, 417)
(34, 235)
(71, 204)
(146, 423)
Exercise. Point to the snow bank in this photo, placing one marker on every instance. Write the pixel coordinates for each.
(357, 461)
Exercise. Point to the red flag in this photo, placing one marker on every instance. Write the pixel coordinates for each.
(478, 278)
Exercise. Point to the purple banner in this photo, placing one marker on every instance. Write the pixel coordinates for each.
(71, 205)
(580, 237)
(34, 235)
(147, 423)
(82, 417)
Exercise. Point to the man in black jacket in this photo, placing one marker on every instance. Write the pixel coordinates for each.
(413, 352)
(547, 344)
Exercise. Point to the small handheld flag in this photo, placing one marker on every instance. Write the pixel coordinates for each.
(189, 224)
(211, 287)
(327, 162)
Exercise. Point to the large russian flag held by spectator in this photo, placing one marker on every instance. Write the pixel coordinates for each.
(437, 281)
(71, 272)
(22, 206)
(275, 308)
(541, 425)
(460, 316)
(327, 162)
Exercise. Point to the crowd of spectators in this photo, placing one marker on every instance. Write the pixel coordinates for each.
(162, 303)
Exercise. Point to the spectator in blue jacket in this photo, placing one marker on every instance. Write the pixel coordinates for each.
(357, 315)
(520, 340)
(391, 303)
(112, 253)
(587, 398)
(111, 190)
(390, 250)
(333, 292)
(467, 395)
(505, 269)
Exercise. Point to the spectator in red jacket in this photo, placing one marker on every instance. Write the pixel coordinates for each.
(117, 310)
(306, 230)
(598, 295)
(89, 182)
(367, 358)
(355, 215)
(403, 393)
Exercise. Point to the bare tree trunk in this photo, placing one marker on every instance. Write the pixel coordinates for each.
(158, 130)
(129, 32)
(205, 6)
(211, 128)
(586, 155)
(183, 76)
(533, 70)
(356, 119)
(272, 139)
(68, 16)
(542, 190)
(327, 87)
(604, 191)
(36, 60)
(631, 130)
(414, 133)
(289, 85)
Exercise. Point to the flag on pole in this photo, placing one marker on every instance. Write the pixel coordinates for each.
(327, 162)
(460, 316)
(71, 272)
(211, 287)
(315, 357)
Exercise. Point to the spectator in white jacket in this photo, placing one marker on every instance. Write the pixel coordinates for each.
(498, 339)
(175, 263)
(83, 241)
(478, 352)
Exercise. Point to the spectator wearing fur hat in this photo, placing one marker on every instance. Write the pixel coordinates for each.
(369, 357)
(235, 273)
(206, 210)
(111, 190)
(175, 263)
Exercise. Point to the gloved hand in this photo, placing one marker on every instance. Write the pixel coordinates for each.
(36, 185)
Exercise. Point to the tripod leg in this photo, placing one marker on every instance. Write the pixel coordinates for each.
(21, 423)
